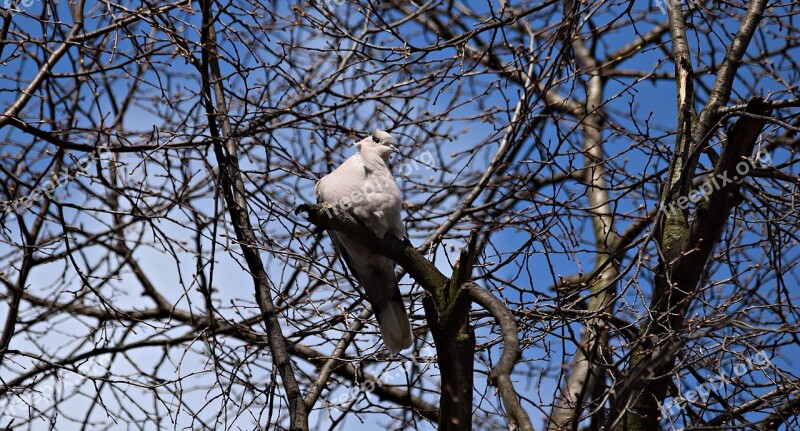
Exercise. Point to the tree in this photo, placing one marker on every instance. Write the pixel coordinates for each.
(601, 201)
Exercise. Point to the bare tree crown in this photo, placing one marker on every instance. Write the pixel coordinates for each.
(601, 200)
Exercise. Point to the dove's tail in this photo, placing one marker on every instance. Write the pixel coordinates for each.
(376, 276)
(394, 324)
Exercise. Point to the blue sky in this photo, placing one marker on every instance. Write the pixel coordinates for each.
(655, 100)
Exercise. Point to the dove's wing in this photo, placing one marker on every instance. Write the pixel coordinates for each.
(371, 194)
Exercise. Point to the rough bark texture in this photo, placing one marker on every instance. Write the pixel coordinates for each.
(686, 245)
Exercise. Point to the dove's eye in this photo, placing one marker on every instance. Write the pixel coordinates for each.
(375, 140)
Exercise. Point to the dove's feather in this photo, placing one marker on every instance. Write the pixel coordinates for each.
(364, 185)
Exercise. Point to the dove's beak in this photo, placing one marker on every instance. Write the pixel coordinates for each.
(394, 149)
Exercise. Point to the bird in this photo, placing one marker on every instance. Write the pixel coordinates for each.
(364, 186)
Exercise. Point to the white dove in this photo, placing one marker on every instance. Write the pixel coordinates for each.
(364, 186)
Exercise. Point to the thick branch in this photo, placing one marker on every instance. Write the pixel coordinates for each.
(501, 373)
(584, 375)
(233, 191)
(433, 281)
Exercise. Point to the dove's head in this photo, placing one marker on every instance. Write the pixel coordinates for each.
(380, 143)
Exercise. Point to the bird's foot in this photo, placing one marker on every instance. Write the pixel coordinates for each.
(306, 208)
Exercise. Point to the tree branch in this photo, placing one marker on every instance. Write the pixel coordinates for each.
(233, 191)
(326, 217)
(501, 374)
